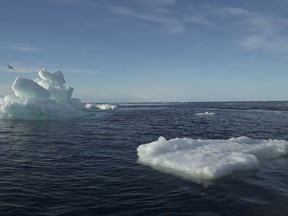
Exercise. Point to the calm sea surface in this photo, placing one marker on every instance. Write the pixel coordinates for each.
(89, 166)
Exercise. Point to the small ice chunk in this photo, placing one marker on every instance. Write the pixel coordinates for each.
(107, 106)
(101, 106)
(205, 114)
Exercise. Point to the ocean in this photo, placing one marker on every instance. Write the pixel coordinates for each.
(89, 165)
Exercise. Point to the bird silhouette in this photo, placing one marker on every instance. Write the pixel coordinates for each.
(9, 67)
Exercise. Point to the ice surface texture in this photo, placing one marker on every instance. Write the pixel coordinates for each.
(28, 88)
(44, 98)
(101, 106)
(209, 159)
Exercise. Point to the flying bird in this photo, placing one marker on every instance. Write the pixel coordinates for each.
(9, 67)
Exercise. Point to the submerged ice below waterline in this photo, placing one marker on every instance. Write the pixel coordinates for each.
(209, 159)
(45, 98)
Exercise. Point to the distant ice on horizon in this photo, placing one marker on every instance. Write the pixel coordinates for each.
(209, 159)
(44, 98)
(205, 114)
(101, 106)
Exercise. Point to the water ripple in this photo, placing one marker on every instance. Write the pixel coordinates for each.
(89, 166)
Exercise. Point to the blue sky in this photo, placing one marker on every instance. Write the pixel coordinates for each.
(150, 50)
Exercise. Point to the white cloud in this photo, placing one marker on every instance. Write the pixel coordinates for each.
(169, 20)
(228, 11)
(25, 48)
(264, 42)
(79, 70)
(74, 2)
(252, 21)
(259, 31)
(19, 47)
(157, 2)
(263, 24)
(170, 23)
(20, 67)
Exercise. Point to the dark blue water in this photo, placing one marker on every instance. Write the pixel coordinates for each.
(89, 166)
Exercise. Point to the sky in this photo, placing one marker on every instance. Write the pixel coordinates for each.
(150, 50)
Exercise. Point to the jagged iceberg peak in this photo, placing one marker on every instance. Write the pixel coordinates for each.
(54, 82)
(55, 76)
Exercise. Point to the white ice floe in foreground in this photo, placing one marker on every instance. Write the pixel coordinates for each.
(44, 98)
(101, 106)
(209, 159)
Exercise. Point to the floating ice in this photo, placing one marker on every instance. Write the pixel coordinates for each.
(209, 159)
(101, 106)
(107, 106)
(90, 106)
(28, 88)
(56, 76)
(44, 98)
(205, 114)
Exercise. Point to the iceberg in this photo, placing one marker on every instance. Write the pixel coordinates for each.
(209, 159)
(45, 98)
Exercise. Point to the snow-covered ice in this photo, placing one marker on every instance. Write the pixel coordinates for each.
(44, 98)
(209, 159)
(107, 106)
(205, 114)
(101, 106)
